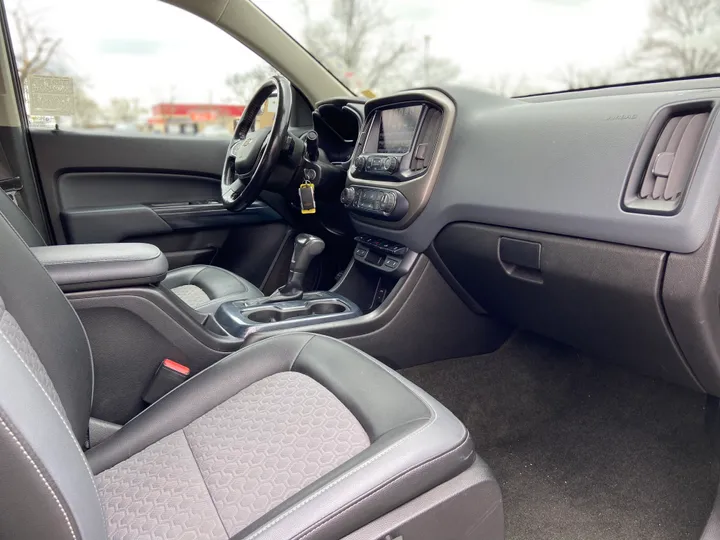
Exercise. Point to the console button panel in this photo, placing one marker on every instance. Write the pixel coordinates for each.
(381, 254)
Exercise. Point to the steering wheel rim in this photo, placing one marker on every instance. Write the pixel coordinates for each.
(239, 190)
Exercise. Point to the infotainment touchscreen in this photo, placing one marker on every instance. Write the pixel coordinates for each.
(397, 128)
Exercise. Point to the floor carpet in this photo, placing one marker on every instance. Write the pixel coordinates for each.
(581, 449)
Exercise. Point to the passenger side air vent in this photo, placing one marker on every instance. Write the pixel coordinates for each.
(427, 140)
(661, 178)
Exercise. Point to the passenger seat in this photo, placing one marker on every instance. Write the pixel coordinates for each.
(296, 437)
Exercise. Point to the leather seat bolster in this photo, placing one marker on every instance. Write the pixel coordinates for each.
(195, 397)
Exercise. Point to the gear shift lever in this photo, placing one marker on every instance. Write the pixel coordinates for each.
(307, 247)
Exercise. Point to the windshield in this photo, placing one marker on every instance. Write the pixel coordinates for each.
(509, 47)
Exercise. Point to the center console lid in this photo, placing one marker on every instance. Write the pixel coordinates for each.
(85, 267)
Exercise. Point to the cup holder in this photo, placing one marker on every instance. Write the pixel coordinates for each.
(326, 308)
(272, 314)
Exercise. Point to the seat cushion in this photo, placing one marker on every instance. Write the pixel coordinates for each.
(236, 462)
(205, 287)
(297, 436)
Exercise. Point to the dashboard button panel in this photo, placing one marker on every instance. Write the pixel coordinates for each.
(381, 203)
(380, 254)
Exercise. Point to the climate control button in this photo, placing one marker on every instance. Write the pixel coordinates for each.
(390, 164)
(347, 196)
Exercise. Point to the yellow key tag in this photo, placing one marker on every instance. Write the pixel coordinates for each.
(307, 197)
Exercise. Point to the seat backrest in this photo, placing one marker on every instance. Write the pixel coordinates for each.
(20, 221)
(46, 385)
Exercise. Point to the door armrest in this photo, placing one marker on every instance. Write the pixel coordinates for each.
(85, 267)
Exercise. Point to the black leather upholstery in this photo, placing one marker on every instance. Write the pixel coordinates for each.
(85, 267)
(29, 294)
(416, 443)
(218, 284)
(19, 221)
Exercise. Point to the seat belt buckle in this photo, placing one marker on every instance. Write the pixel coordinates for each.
(168, 376)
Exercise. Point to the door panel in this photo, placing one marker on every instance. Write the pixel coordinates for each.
(152, 188)
(106, 159)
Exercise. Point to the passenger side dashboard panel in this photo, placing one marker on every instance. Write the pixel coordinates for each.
(598, 297)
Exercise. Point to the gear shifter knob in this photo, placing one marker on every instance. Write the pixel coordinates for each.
(307, 247)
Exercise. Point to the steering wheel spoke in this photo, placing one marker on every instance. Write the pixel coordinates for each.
(247, 152)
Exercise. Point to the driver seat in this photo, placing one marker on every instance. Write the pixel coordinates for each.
(201, 286)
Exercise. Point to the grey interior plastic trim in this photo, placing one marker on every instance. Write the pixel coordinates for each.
(428, 516)
(421, 320)
(236, 318)
(560, 167)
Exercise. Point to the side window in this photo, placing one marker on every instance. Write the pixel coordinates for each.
(132, 66)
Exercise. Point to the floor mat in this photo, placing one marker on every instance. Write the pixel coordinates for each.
(582, 449)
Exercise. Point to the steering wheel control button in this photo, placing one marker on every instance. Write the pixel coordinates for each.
(360, 163)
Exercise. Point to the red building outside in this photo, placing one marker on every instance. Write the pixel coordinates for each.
(193, 118)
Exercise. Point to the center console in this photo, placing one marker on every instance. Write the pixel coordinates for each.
(289, 307)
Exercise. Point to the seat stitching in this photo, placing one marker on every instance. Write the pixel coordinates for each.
(62, 419)
(202, 479)
(40, 474)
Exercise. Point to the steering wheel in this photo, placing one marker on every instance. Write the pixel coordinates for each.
(252, 155)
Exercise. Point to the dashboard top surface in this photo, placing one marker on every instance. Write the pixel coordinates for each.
(559, 164)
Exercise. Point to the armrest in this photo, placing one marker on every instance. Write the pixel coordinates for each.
(85, 267)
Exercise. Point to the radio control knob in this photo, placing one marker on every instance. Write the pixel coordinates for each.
(360, 163)
(390, 164)
(389, 201)
(347, 196)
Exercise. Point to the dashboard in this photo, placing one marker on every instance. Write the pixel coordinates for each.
(590, 217)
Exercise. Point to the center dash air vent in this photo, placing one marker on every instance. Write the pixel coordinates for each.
(660, 179)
